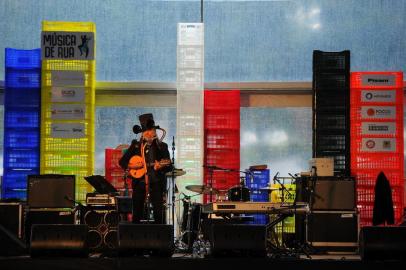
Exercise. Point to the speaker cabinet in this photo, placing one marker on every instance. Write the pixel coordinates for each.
(329, 193)
(238, 239)
(383, 243)
(140, 238)
(102, 226)
(58, 240)
(333, 230)
(11, 217)
(10, 245)
(46, 216)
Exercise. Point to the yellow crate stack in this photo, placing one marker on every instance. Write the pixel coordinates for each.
(69, 155)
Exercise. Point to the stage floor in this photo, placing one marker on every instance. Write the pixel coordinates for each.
(185, 262)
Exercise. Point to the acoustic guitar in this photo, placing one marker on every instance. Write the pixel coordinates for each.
(137, 169)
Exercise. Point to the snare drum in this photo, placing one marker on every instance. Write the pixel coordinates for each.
(238, 194)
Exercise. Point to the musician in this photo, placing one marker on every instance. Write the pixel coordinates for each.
(154, 154)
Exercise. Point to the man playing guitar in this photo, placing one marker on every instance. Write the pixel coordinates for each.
(147, 161)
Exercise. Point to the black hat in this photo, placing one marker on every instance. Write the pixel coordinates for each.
(147, 121)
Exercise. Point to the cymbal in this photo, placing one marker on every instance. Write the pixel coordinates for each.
(176, 172)
(202, 189)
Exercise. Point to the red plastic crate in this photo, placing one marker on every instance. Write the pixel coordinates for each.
(222, 119)
(112, 157)
(221, 99)
(229, 159)
(368, 177)
(376, 161)
(376, 128)
(357, 80)
(222, 139)
(221, 180)
(115, 177)
(371, 112)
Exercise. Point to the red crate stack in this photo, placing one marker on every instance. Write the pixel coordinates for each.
(113, 172)
(222, 137)
(377, 138)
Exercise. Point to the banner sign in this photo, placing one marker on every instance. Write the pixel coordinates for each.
(67, 94)
(68, 111)
(378, 145)
(65, 78)
(378, 112)
(68, 130)
(378, 80)
(378, 96)
(384, 128)
(67, 45)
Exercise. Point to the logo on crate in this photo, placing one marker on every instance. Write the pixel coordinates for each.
(378, 145)
(67, 130)
(68, 111)
(378, 80)
(63, 94)
(67, 45)
(68, 93)
(386, 128)
(378, 96)
(378, 112)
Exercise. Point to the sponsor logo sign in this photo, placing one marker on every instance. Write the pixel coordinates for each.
(378, 112)
(378, 96)
(378, 80)
(384, 128)
(68, 111)
(378, 145)
(64, 78)
(68, 130)
(67, 94)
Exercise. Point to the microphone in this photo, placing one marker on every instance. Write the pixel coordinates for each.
(276, 176)
(137, 129)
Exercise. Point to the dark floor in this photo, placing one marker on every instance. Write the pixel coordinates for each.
(184, 262)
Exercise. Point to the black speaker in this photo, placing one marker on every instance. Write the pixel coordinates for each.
(333, 230)
(102, 224)
(11, 217)
(238, 239)
(58, 240)
(46, 216)
(10, 245)
(139, 238)
(382, 243)
(329, 193)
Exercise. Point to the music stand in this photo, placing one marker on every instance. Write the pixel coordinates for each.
(100, 184)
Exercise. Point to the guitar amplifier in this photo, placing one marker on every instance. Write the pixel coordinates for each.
(11, 217)
(100, 199)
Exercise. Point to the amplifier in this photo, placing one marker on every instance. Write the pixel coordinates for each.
(99, 199)
(329, 193)
(332, 229)
(11, 217)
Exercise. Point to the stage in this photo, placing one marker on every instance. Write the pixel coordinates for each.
(185, 262)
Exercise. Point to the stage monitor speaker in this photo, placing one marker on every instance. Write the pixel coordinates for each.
(10, 245)
(139, 238)
(239, 239)
(58, 240)
(330, 193)
(383, 243)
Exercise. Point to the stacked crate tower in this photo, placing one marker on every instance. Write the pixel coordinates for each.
(377, 138)
(222, 139)
(255, 181)
(68, 106)
(331, 99)
(114, 173)
(189, 109)
(21, 120)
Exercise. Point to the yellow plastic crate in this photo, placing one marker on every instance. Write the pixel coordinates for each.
(79, 172)
(68, 26)
(73, 161)
(72, 65)
(59, 144)
(90, 79)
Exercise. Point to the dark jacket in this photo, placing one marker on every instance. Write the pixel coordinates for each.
(383, 205)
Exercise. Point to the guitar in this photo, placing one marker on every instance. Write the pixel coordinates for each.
(137, 169)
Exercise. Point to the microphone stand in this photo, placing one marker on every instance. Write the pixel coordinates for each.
(173, 182)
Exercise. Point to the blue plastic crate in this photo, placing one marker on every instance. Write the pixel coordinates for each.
(21, 158)
(259, 219)
(16, 58)
(17, 179)
(21, 78)
(22, 97)
(21, 118)
(8, 193)
(21, 138)
(257, 179)
(259, 195)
